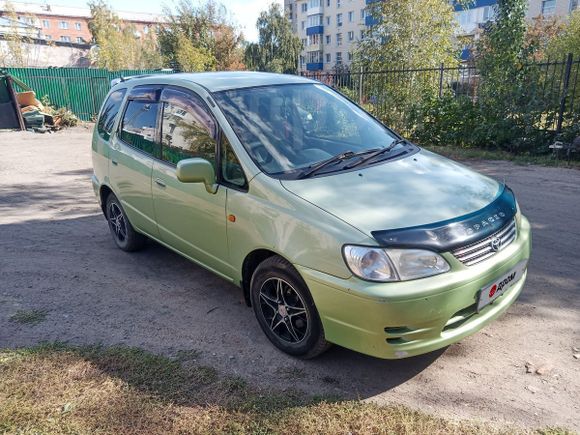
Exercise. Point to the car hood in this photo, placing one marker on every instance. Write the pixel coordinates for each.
(417, 190)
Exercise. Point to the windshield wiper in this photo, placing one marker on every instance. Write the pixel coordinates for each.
(312, 169)
(377, 153)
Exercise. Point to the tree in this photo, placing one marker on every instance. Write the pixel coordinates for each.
(200, 38)
(539, 34)
(117, 43)
(567, 40)
(409, 33)
(277, 49)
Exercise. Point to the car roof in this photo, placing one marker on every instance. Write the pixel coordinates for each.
(227, 80)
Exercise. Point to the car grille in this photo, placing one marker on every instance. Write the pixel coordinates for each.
(482, 249)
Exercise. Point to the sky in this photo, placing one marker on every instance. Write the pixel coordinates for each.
(243, 12)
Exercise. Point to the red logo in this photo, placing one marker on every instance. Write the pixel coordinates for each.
(492, 290)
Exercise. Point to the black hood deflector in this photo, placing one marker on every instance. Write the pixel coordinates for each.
(450, 234)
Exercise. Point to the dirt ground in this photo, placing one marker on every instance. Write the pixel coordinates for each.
(56, 254)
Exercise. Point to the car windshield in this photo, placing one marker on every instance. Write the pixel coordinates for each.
(287, 129)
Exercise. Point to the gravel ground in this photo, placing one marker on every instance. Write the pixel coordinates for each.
(56, 254)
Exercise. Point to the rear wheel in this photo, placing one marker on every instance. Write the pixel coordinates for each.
(124, 235)
(285, 309)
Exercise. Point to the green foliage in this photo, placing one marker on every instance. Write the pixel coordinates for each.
(277, 49)
(410, 33)
(200, 38)
(118, 47)
(567, 40)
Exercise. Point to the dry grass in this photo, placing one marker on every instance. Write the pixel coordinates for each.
(61, 389)
(29, 317)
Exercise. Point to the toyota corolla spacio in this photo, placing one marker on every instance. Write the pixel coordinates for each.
(336, 228)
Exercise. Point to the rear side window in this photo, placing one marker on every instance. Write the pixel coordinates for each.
(109, 113)
(138, 128)
(187, 128)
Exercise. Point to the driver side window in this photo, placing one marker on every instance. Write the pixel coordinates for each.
(187, 129)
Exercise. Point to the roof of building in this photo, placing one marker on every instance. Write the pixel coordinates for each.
(69, 11)
(222, 81)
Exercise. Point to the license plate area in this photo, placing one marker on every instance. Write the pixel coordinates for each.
(491, 292)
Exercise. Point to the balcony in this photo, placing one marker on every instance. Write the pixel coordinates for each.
(316, 30)
(370, 2)
(314, 66)
(317, 46)
(371, 21)
(315, 11)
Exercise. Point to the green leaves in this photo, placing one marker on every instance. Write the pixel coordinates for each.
(277, 49)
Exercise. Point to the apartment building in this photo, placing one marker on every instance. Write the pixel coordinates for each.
(69, 24)
(330, 29)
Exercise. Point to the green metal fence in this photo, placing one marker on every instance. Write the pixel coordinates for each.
(81, 90)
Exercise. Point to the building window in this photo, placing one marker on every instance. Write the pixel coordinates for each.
(78, 26)
(362, 14)
(314, 3)
(65, 38)
(351, 16)
(350, 56)
(304, 42)
(314, 20)
(327, 57)
(302, 24)
(339, 20)
(45, 24)
(362, 34)
(301, 60)
(328, 3)
(80, 40)
(351, 36)
(47, 37)
(338, 58)
(573, 5)
(63, 25)
(548, 7)
(304, 7)
(328, 21)
(339, 39)
(337, 4)
(328, 39)
(488, 13)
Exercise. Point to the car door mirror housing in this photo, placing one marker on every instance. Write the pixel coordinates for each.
(197, 170)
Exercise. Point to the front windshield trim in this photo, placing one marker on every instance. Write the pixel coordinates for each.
(292, 174)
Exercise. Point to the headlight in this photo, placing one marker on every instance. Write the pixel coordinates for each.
(383, 265)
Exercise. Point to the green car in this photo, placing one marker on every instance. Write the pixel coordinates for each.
(336, 229)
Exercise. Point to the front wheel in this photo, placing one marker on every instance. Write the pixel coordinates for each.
(285, 309)
(124, 235)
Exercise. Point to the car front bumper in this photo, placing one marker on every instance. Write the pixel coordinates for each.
(404, 319)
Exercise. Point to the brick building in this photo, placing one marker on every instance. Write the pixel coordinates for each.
(70, 24)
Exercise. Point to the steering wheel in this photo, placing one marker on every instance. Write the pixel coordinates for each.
(261, 154)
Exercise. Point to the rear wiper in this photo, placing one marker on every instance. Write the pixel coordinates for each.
(377, 153)
(312, 169)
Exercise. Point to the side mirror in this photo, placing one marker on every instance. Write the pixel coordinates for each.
(197, 170)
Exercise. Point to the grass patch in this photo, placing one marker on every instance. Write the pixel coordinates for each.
(56, 388)
(29, 317)
(458, 153)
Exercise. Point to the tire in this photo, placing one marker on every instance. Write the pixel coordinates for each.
(124, 235)
(285, 309)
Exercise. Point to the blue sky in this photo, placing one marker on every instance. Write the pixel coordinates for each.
(243, 12)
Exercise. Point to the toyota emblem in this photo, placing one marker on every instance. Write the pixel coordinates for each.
(495, 244)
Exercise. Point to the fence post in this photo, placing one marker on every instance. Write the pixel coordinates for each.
(441, 70)
(360, 86)
(564, 93)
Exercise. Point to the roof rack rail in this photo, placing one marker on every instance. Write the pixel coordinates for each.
(127, 78)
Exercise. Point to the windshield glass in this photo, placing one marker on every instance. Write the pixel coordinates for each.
(287, 128)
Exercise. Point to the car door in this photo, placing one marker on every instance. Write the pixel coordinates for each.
(133, 150)
(189, 218)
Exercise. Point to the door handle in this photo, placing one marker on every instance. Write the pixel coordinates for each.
(114, 162)
(159, 182)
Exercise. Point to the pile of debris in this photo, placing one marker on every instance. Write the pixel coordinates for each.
(22, 110)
